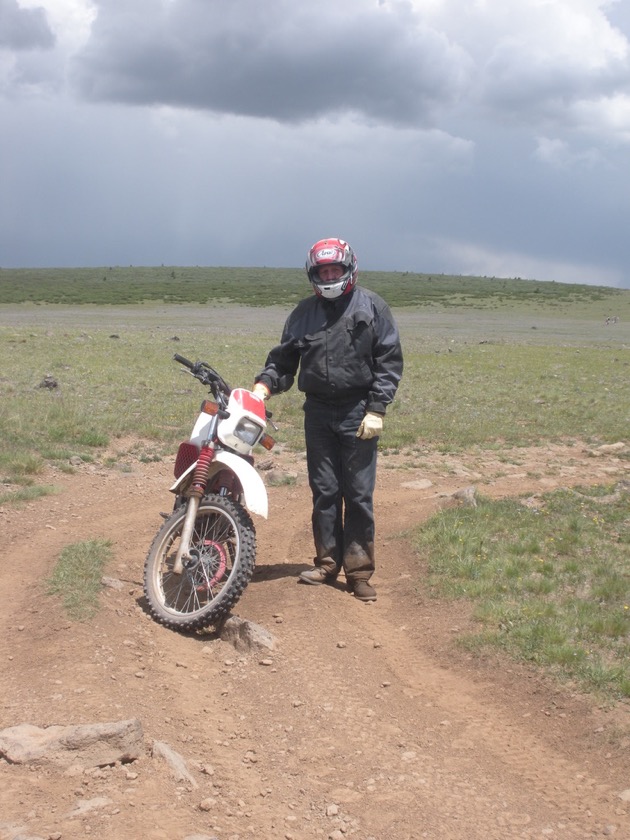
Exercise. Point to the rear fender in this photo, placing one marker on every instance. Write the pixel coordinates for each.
(254, 489)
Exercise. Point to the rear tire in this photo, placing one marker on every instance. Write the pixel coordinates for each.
(223, 556)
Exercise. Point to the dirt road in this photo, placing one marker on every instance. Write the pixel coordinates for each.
(365, 722)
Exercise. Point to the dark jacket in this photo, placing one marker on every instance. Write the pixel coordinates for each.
(346, 349)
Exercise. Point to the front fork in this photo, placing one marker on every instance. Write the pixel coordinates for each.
(183, 552)
(195, 494)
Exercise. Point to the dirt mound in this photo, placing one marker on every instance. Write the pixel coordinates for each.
(365, 721)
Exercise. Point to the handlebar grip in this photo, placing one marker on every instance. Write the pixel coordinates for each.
(183, 361)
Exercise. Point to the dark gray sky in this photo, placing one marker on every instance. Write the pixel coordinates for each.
(488, 137)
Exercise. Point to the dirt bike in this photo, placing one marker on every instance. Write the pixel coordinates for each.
(203, 556)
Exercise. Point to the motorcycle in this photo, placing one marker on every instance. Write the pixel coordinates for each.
(203, 556)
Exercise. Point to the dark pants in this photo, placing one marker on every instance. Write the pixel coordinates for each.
(342, 474)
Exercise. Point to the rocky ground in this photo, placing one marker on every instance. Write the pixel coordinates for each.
(365, 721)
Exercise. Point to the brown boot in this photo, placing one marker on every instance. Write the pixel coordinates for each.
(363, 590)
(317, 575)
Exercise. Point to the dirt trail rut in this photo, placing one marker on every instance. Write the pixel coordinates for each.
(366, 722)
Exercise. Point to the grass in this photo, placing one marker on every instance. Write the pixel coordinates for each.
(112, 389)
(550, 584)
(76, 578)
(490, 364)
(107, 389)
(26, 494)
(265, 286)
(514, 393)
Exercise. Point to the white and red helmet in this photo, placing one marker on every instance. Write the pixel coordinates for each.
(332, 252)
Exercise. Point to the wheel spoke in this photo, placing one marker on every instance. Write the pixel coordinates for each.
(217, 570)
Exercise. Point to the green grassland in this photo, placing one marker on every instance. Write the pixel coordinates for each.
(113, 385)
(510, 361)
(549, 584)
(267, 286)
(488, 363)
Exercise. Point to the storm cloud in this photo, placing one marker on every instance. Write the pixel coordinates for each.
(291, 62)
(24, 29)
(436, 135)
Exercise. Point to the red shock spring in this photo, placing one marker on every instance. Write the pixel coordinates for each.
(202, 470)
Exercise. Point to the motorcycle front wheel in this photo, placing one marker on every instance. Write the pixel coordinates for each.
(220, 565)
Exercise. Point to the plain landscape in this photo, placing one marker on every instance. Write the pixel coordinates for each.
(484, 695)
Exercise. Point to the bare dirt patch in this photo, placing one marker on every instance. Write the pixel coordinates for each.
(366, 721)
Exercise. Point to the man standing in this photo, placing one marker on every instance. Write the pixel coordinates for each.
(346, 344)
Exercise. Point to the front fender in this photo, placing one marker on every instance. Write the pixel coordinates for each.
(254, 489)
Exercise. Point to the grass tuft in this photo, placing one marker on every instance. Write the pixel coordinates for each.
(77, 575)
(26, 494)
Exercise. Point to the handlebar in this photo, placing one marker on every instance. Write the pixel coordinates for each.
(206, 374)
(183, 361)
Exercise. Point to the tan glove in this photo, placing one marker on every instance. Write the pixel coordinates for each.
(371, 426)
(261, 390)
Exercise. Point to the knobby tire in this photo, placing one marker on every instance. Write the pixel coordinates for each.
(223, 547)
